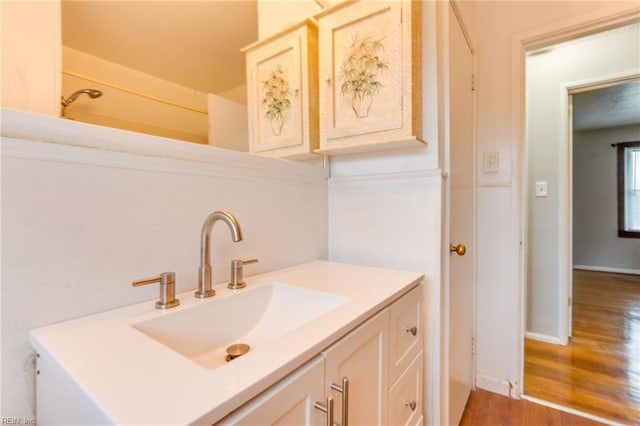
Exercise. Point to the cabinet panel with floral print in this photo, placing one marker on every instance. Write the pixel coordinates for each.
(369, 60)
(281, 90)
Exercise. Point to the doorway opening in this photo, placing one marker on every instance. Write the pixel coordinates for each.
(570, 208)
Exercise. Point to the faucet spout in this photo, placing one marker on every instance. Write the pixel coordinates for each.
(204, 275)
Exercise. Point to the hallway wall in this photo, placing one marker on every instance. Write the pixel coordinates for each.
(592, 58)
(499, 311)
(596, 244)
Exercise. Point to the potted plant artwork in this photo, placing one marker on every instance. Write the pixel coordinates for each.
(360, 69)
(276, 101)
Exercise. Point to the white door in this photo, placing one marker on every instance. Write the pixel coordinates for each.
(461, 222)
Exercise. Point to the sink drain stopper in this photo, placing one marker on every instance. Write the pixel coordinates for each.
(236, 350)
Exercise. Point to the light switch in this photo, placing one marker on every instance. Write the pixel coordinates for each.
(542, 189)
(491, 162)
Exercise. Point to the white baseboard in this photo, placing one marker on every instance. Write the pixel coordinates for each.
(544, 338)
(491, 384)
(607, 269)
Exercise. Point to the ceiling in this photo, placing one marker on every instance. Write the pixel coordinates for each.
(192, 43)
(612, 106)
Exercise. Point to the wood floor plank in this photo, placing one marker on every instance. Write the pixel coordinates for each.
(489, 409)
(599, 371)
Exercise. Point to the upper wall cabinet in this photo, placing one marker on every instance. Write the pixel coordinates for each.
(282, 89)
(370, 76)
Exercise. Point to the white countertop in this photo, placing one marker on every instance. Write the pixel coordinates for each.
(135, 380)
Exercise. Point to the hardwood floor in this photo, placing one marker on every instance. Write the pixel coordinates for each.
(599, 371)
(490, 409)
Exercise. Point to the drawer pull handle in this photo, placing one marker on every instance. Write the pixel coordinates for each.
(413, 330)
(328, 409)
(344, 390)
(411, 405)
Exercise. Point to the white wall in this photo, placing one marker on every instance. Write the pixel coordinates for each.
(498, 311)
(31, 40)
(595, 207)
(385, 209)
(237, 94)
(79, 224)
(395, 221)
(228, 124)
(594, 57)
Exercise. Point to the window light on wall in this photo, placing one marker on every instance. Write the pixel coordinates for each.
(628, 189)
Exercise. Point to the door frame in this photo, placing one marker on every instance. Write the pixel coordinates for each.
(543, 37)
(568, 89)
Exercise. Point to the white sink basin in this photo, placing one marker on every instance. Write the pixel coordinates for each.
(255, 317)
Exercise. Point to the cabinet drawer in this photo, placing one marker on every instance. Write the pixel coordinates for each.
(405, 397)
(406, 318)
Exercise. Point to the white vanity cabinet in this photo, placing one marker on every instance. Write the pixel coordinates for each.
(319, 331)
(282, 93)
(378, 392)
(370, 76)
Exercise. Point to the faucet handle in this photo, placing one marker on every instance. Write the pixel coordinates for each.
(237, 273)
(167, 282)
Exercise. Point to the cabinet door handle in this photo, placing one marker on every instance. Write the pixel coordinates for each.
(413, 330)
(412, 405)
(327, 409)
(344, 390)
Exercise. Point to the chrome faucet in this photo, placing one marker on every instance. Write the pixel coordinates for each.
(204, 275)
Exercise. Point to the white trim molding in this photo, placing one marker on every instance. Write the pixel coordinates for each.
(545, 338)
(388, 177)
(499, 386)
(52, 130)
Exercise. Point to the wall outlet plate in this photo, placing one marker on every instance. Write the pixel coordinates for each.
(542, 189)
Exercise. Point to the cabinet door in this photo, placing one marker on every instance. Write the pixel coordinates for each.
(281, 86)
(369, 75)
(361, 357)
(289, 403)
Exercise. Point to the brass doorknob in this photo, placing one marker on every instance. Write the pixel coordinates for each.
(460, 249)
